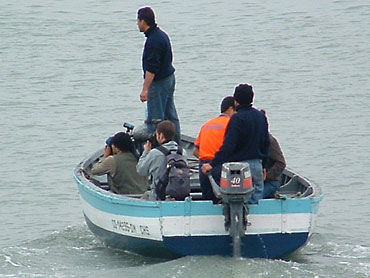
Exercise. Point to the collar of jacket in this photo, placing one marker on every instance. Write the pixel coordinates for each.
(243, 106)
(150, 30)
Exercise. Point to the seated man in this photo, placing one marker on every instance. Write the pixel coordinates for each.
(119, 164)
(274, 165)
(246, 140)
(152, 161)
(209, 141)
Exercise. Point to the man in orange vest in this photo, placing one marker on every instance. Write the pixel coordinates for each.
(209, 141)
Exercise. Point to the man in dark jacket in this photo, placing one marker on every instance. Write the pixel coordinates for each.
(159, 78)
(274, 166)
(246, 140)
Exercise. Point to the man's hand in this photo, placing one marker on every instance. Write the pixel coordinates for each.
(147, 146)
(144, 95)
(206, 167)
(84, 171)
(107, 151)
(149, 77)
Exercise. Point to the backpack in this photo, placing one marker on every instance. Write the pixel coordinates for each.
(175, 177)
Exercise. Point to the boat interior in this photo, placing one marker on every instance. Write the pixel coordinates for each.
(292, 185)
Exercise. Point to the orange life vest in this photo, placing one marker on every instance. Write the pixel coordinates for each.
(211, 137)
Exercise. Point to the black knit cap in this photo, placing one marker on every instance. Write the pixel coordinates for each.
(243, 94)
(226, 103)
(109, 141)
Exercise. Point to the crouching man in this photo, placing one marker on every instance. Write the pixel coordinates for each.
(152, 161)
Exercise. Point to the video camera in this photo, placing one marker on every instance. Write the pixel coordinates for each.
(140, 135)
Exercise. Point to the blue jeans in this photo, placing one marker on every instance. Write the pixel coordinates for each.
(257, 178)
(270, 187)
(161, 105)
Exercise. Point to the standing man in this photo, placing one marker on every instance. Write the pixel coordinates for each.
(246, 140)
(159, 78)
(209, 141)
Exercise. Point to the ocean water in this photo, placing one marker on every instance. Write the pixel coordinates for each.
(70, 75)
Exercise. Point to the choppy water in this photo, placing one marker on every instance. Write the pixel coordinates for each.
(70, 75)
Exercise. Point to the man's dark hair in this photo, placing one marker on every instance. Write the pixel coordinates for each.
(243, 94)
(168, 129)
(146, 14)
(226, 103)
(123, 141)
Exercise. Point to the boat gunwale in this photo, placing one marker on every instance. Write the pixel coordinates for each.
(316, 195)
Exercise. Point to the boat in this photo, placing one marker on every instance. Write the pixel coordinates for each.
(274, 227)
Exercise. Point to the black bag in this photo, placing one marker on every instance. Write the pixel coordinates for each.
(174, 181)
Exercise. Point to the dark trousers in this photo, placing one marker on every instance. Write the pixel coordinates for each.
(205, 185)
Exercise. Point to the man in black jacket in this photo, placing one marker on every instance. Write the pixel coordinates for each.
(159, 78)
(246, 140)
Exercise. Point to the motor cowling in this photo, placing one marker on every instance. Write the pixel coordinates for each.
(236, 181)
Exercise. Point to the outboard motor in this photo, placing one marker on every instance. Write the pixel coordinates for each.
(236, 182)
(235, 191)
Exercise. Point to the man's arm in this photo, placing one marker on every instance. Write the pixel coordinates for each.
(149, 77)
(143, 166)
(276, 155)
(196, 151)
(197, 145)
(104, 166)
(227, 148)
(230, 142)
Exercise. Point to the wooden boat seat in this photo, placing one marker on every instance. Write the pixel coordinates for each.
(193, 195)
(196, 195)
(137, 196)
(102, 185)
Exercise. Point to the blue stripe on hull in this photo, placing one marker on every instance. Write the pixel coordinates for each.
(262, 246)
(117, 204)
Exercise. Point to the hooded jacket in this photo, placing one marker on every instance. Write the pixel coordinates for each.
(152, 162)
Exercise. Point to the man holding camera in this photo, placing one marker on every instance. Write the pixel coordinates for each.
(119, 163)
(152, 161)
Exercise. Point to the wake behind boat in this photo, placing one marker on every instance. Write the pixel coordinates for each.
(274, 227)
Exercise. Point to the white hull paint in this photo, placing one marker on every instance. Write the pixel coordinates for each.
(154, 228)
